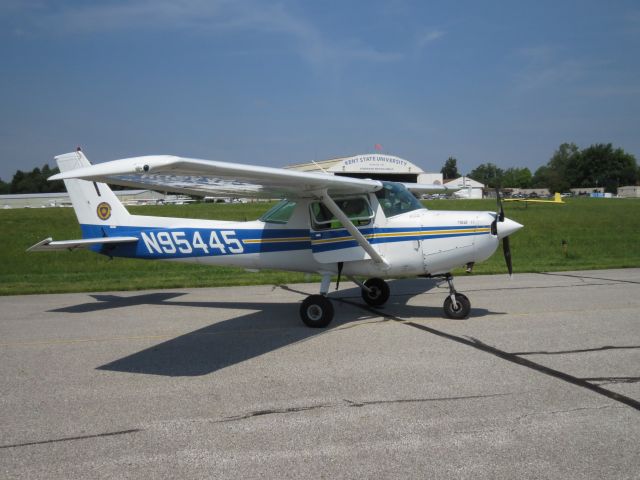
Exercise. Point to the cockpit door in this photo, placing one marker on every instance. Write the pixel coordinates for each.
(330, 241)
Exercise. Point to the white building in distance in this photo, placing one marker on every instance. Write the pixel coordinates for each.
(631, 191)
(469, 188)
(61, 199)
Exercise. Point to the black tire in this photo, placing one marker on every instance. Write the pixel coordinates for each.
(378, 294)
(316, 311)
(464, 307)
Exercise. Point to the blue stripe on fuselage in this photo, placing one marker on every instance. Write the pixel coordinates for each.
(198, 242)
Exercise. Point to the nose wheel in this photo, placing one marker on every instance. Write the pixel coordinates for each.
(456, 306)
(458, 310)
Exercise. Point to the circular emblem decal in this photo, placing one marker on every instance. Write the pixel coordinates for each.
(104, 211)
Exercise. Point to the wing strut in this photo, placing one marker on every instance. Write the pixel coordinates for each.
(351, 228)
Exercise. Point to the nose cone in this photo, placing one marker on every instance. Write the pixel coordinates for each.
(507, 227)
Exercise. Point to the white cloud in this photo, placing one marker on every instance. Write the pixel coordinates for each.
(427, 37)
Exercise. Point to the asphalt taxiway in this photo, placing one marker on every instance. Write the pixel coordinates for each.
(542, 381)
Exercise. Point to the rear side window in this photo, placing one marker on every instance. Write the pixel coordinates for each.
(357, 209)
(280, 213)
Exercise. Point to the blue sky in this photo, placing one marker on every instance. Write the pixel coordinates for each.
(275, 83)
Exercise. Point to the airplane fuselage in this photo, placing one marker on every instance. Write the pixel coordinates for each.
(412, 243)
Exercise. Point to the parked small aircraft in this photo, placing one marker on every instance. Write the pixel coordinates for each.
(557, 198)
(327, 224)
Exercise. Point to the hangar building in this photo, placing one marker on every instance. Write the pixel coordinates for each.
(61, 199)
(375, 166)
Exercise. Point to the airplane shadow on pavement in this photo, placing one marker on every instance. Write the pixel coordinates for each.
(268, 327)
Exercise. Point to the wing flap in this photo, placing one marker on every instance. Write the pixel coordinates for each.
(48, 245)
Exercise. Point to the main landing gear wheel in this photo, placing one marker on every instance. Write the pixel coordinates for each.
(459, 311)
(316, 311)
(378, 293)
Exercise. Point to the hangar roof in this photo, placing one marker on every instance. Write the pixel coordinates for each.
(367, 163)
(463, 182)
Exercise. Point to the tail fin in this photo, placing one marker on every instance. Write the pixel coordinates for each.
(558, 198)
(94, 203)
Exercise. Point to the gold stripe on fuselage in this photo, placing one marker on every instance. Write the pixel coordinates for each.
(402, 234)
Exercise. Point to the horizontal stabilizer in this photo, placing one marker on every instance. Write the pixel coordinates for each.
(48, 245)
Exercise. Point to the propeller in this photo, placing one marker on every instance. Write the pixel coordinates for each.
(506, 248)
(507, 255)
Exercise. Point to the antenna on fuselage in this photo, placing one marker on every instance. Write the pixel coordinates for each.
(323, 170)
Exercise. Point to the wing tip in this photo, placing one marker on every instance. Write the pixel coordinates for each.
(39, 246)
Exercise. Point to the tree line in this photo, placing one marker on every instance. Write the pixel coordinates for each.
(600, 165)
(34, 181)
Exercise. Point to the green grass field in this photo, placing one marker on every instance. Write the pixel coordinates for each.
(601, 233)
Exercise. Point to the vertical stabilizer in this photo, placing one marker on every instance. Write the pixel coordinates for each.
(94, 203)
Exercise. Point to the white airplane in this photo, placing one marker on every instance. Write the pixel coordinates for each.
(326, 224)
(463, 193)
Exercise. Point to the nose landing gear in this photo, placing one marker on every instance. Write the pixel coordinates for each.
(456, 306)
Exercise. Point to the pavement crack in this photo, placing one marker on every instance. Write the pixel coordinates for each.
(68, 439)
(347, 403)
(424, 400)
(571, 410)
(274, 411)
(583, 277)
(581, 350)
(608, 380)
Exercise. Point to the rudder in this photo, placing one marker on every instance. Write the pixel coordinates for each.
(94, 202)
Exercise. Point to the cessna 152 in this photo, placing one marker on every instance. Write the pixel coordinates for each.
(327, 224)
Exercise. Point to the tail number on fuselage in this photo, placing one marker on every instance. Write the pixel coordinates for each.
(170, 242)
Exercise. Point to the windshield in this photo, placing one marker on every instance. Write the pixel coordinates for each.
(395, 199)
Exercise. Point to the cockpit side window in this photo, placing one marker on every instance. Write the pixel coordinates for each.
(395, 199)
(357, 209)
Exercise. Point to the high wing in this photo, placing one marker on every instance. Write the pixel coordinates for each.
(207, 177)
(48, 245)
